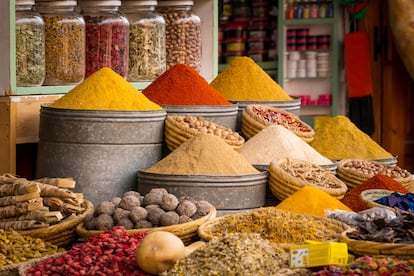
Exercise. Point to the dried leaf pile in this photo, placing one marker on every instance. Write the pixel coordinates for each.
(396, 230)
(26, 205)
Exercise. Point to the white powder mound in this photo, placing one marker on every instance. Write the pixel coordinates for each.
(276, 142)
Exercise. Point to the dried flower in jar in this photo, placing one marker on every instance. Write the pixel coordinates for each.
(106, 44)
(64, 49)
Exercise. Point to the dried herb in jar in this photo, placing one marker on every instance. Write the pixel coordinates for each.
(30, 46)
(146, 50)
(65, 49)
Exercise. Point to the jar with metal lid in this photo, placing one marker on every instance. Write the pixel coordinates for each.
(64, 42)
(147, 56)
(183, 33)
(30, 45)
(107, 36)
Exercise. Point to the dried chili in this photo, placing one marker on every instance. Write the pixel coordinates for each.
(147, 55)
(107, 38)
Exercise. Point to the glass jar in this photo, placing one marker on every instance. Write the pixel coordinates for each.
(30, 45)
(64, 42)
(107, 32)
(147, 53)
(183, 33)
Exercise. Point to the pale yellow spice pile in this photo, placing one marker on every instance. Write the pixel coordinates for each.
(277, 142)
(105, 90)
(244, 80)
(338, 138)
(204, 154)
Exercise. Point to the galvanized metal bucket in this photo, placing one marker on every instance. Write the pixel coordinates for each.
(101, 150)
(292, 106)
(225, 115)
(225, 192)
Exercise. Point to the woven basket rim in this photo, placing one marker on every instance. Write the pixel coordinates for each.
(22, 266)
(205, 235)
(80, 229)
(402, 250)
(178, 134)
(254, 118)
(356, 175)
(58, 228)
(282, 178)
(365, 197)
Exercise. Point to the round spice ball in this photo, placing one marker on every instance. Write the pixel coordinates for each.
(134, 193)
(154, 215)
(126, 222)
(130, 201)
(105, 207)
(184, 219)
(143, 224)
(104, 222)
(169, 202)
(89, 222)
(120, 213)
(203, 208)
(116, 201)
(153, 197)
(169, 218)
(138, 213)
(186, 207)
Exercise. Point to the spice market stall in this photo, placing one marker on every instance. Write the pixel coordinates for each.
(207, 189)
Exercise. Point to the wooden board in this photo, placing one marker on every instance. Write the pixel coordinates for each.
(19, 124)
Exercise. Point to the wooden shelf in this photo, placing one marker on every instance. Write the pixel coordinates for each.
(19, 124)
(206, 9)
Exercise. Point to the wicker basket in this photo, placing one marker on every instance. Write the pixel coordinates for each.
(187, 232)
(22, 267)
(176, 133)
(19, 268)
(283, 184)
(369, 197)
(359, 247)
(274, 224)
(252, 122)
(353, 177)
(63, 233)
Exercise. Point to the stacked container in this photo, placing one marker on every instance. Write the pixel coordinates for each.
(260, 33)
(147, 55)
(249, 30)
(64, 42)
(107, 33)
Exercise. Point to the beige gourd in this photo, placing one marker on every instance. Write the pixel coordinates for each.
(159, 250)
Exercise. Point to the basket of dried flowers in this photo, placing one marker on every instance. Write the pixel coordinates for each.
(279, 226)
